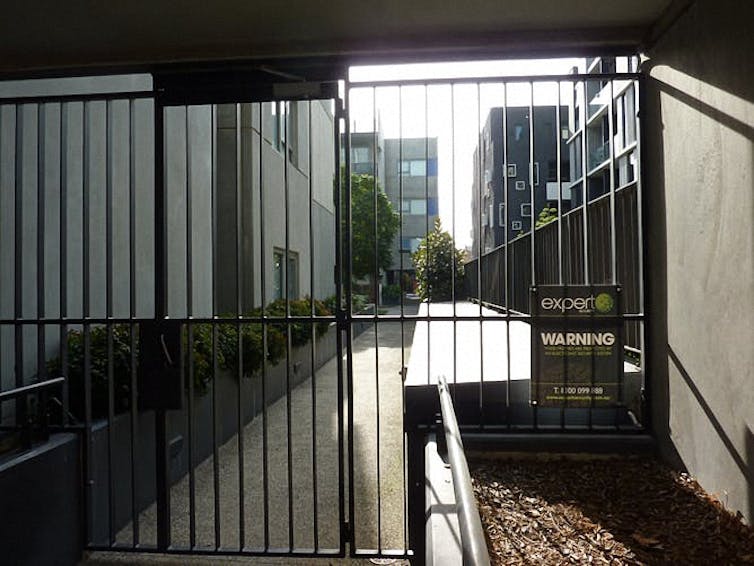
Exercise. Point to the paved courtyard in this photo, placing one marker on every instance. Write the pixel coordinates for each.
(378, 474)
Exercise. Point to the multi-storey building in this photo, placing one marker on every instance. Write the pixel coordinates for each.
(407, 170)
(591, 124)
(411, 186)
(506, 165)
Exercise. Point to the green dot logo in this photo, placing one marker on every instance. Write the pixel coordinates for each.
(604, 303)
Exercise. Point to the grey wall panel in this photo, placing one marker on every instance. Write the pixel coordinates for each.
(175, 209)
(700, 199)
(120, 179)
(74, 186)
(143, 154)
(200, 142)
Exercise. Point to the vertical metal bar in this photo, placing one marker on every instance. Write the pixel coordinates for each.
(401, 250)
(480, 146)
(312, 313)
(239, 330)
(613, 235)
(585, 203)
(453, 222)
(558, 175)
(349, 334)
(288, 357)
(532, 197)
(86, 308)
(341, 315)
(109, 314)
(532, 192)
(19, 262)
(613, 230)
(426, 230)
(263, 291)
(190, 330)
(400, 203)
(160, 285)
(63, 274)
(506, 297)
(40, 298)
(41, 193)
(402, 307)
(584, 183)
(376, 328)
(640, 97)
(41, 190)
(215, 332)
(132, 315)
(2, 287)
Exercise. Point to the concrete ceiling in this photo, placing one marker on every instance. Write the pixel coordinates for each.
(45, 35)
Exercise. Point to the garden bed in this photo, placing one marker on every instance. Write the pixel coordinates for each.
(607, 510)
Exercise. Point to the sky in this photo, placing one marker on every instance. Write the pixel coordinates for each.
(453, 118)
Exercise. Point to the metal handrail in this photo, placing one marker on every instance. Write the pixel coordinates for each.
(27, 426)
(474, 545)
(29, 389)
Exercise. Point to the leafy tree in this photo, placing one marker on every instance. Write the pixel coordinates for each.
(547, 215)
(436, 260)
(363, 222)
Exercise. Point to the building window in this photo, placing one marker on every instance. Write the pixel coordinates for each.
(520, 185)
(278, 125)
(410, 245)
(414, 206)
(526, 209)
(279, 275)
(511, 170)
(361, 155)
(413, 167)
(536, 174)
(418, 167)
(518, 131)
(516, 225)
(501, 214)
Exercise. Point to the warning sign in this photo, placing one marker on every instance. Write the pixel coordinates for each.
(577, 345)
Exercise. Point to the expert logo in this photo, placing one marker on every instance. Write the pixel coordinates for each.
(603, 303)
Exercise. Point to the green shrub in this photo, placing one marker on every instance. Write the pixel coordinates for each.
(98, 363)
(199, 353)
(438, 263)
(391, 294)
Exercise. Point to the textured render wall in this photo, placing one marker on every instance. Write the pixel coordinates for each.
(700, 226)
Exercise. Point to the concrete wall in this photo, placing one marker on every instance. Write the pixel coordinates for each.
(40, 505)
(699, 193)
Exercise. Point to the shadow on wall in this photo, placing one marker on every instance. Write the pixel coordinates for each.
(709, 44)
(744, 463)
(701, 26)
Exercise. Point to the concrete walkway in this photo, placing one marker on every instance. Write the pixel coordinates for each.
(378, 475)
(468, 351)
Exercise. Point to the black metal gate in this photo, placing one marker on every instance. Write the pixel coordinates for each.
(534, 180)
(237, 278)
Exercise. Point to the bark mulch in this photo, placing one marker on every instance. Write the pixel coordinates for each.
(603, 511)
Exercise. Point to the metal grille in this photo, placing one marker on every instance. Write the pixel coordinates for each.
(244, 350)
(548, 170)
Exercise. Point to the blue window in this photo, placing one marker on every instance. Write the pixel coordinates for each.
(432, 206)
(432, 167)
